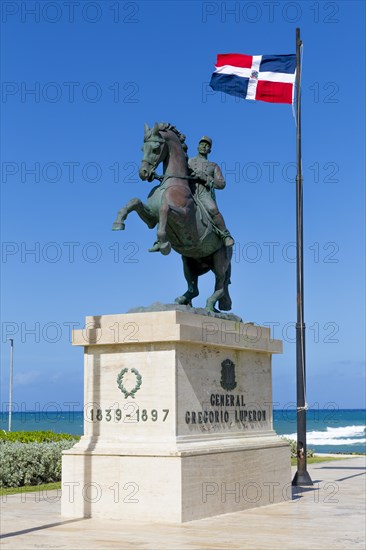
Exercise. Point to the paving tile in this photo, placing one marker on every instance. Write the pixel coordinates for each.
(329, 515)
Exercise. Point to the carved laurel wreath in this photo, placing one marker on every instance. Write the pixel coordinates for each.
(136, 387)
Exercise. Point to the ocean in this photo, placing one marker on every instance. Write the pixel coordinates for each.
(328, 431)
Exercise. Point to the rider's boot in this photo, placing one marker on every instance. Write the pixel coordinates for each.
(218, 220)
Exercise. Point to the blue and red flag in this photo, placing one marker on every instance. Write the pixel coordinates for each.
(256, 77)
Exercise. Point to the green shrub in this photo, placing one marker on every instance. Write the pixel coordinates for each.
(35, 437)
(31, 463)
(293, 447)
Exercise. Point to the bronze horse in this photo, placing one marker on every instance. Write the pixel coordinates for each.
(183, 223)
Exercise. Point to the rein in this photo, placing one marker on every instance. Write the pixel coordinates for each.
(167, 176)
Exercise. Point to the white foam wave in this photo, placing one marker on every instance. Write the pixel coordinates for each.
(340, 441)
(346, 435)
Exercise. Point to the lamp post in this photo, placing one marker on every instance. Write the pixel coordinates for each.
(11, 383)
(302, 476)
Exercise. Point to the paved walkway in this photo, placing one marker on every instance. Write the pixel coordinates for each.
(329, 515)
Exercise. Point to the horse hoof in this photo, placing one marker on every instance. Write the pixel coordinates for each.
(155, 247)
(225, 304)
(211, 308)
(118, 226)
(182, 300)
(165, 248)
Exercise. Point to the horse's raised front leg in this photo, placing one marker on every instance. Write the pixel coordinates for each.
(142, 210)
(192, 281)
(164, 245)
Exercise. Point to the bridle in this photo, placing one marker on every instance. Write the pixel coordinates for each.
(155, 164)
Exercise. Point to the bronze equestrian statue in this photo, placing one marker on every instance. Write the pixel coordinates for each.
(185, 222)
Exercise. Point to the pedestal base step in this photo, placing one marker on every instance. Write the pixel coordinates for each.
(173, 489)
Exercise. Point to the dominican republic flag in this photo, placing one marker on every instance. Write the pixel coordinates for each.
(257, 77)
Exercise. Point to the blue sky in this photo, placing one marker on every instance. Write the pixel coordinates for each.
(72, 146)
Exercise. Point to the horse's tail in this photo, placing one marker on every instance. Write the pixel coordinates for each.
(225, 303)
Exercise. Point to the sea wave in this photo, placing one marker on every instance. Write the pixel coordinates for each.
(346, 435)
(335, 441)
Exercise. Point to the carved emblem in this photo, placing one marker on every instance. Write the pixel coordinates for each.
(135, 388)
(228, 381)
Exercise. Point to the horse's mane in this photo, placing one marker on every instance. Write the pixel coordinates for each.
(164, 126)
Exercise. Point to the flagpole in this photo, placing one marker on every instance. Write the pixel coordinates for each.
(302, 476)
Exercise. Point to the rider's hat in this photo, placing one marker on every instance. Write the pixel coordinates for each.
(207, 139)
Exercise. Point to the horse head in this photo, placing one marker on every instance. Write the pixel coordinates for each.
(155, 150)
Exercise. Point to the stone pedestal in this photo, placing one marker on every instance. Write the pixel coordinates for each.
(178, 420)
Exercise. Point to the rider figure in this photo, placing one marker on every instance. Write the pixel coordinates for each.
(208, 177)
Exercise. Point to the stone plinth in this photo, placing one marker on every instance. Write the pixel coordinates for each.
(178, 420)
